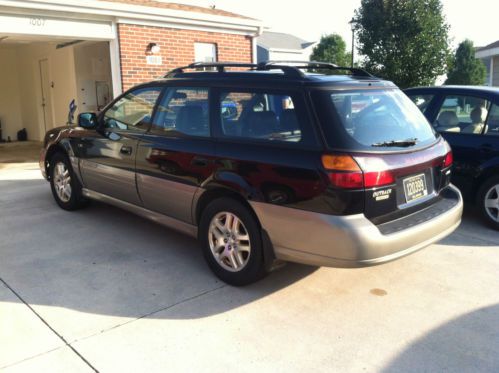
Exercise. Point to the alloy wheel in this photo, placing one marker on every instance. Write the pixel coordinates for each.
(229, 241)
(62, 181)
(491, 202)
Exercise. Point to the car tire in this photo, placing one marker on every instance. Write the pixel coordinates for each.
(232, 248)
(488, 202)
(66, 187)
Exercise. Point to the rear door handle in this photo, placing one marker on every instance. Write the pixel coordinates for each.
(201, 162)
(127, 150)
(486, 148)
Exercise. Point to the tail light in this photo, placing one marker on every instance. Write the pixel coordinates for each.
(448, 160)
(344, 172)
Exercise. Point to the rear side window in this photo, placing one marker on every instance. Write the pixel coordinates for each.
(183, 112)
(263, 116)
(371, 119)
(465, 114)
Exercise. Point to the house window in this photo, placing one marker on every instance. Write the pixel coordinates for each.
(205, 52)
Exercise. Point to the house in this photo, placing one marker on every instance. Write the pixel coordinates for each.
(490, 57)
(55, 51)
(281, 46)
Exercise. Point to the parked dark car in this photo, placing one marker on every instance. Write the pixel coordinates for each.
(271, 163)
(468, 118)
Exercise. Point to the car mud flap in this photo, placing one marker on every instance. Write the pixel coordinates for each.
(269, 260)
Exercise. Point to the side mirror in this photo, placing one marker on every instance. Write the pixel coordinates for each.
(87, 120)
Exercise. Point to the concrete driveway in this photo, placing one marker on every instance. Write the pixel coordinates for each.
(101, 289)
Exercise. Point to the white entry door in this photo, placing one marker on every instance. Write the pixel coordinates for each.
(48, 116)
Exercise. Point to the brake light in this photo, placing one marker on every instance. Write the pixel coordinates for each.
(345, 172)
(448, 160)
(347, 180)
(378, 178)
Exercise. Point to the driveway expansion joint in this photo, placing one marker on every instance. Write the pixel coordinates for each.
(48, 325)
(152, 313)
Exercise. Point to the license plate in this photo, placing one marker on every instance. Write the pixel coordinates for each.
(415, 187)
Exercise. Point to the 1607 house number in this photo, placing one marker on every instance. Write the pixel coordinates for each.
(39, 22)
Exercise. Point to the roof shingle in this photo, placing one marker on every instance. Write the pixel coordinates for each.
(281, 40)
(176, 6)
(490, 46)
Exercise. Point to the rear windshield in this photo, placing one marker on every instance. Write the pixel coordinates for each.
(372, 120)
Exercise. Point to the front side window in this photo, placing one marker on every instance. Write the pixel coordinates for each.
(372, 119)
(492, 124)
(133, 111)
(464, 114)
(183, 111)
(260, 116)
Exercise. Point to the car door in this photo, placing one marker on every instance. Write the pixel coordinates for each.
(462, 121)
(177, 155)
(267, 148)
(489, 145)
(107, 157)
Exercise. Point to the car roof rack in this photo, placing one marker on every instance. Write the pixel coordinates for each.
(319, 65)
(289, 68)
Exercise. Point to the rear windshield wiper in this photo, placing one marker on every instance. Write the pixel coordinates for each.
(406, 142)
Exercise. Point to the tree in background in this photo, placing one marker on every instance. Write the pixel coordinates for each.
(331, 48)
(403, 41)
(465, 69)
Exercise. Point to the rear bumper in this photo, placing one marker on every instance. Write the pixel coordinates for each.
(354, 241)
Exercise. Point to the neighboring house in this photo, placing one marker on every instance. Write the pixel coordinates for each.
(280, 46)
(54, 51)
(490, 57)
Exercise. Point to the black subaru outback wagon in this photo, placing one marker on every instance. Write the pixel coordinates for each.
(271, 161)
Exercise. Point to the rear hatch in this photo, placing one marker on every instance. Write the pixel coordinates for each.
(381, 143)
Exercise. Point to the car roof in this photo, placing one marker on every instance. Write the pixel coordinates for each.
(455, 88)
(262, 78)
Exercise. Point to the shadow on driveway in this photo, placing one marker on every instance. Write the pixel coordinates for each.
(465, 344)
(103, 260)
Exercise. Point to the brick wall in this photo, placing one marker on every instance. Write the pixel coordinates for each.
(177, 49)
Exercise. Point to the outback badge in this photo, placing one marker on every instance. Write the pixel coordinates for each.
(381, 195)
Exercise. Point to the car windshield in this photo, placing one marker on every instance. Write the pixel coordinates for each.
(372, 119)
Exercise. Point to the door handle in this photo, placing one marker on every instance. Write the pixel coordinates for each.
(201, 162)
(486, 148)
(127, 150)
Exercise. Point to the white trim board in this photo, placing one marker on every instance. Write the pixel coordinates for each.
(137, 12)
(23, 24)
(487, 53)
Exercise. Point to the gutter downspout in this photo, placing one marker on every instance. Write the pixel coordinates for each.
(115, 57)
(253, 44)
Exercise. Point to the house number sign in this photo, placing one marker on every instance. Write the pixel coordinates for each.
(38, 22)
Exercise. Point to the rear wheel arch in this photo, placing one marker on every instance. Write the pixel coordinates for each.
(220, 192)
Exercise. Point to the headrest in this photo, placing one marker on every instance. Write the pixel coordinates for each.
(478, 115)
(448, 119)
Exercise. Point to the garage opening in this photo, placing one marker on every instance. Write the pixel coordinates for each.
(44, 81)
